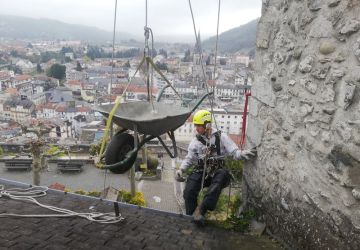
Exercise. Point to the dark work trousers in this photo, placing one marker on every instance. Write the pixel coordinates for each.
(220, 180)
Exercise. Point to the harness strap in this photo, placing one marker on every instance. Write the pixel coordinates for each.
(217, 141)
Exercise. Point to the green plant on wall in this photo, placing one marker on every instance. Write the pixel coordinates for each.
(225, 213)
(235, 167)
(138, 199)
(54, 151)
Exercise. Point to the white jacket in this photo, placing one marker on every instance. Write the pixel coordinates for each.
(197, 150)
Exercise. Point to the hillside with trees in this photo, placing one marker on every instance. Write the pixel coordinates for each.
(29, 28)
(241, 38)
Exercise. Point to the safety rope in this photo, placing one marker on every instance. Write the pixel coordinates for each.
(217, 39)
(202, 66)
(112, 54)
(113, 110)
(29, 195)
(148, 53)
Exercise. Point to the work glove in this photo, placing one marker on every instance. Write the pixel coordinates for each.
(246, 153)
(178, 173)
(179, 176)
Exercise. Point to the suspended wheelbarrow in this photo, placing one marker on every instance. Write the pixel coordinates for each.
(151, 120)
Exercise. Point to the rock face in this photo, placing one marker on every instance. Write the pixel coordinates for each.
(305, 121)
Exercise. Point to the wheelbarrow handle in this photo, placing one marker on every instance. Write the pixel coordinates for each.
(201, 100)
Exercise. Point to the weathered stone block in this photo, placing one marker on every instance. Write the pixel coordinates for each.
(314, 5)
(344, 131)
(297, 52)
(351, 26)
(356, 49)
(326, 95)
(336, 17)
(255, 131)
(340, 57)
(355, 74)
(356, 193)
(346, 94)
(305, 110)
(278, 58)
(276, 86)
(292, 82)
(309, 85)
(321, 28)
(262, 90)
(333, 3)
(335, 76)
(329, 110)
(305, 65)
(263, 35)
(254, 106)
(327, 48)
(341, 155)
(349, 95)
(320, 73)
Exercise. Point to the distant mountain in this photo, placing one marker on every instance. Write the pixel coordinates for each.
(30, 28)
(241, 38)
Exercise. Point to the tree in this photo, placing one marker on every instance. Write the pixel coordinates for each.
(14, 53)
(127, 64)
(78, 66)
(207, 61)
(66, 50)
(187, 57)
(15, 68)
(161, 66)
(67, 59)
(38, 68)
(163, 52)
(46, 56)
(57, 71)
(37, 148)
(222, 61)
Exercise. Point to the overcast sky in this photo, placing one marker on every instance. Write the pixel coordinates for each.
(165, 17)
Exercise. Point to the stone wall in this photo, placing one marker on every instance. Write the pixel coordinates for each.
(305, 120)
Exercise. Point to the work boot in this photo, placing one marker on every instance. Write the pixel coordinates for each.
(198, 217)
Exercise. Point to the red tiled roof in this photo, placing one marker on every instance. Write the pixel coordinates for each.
(60, 109)
(83, 109)
(46, 106)
(73, 82)
(22, 77)
(12, 91)
(4, 74)
(50, 105)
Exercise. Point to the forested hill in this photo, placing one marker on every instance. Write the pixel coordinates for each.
(29, 28)
(241, 38)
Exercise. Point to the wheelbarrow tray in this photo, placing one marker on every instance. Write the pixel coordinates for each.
(163, 118)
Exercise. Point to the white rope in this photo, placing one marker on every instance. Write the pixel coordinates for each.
(29, 195)
(202, 64)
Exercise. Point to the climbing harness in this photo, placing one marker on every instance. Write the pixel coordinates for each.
(204, 75)
(29, 195)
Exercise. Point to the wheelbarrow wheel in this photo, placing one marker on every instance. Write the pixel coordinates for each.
(118, 147)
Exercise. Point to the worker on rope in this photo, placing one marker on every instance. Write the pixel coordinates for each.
(207, 150)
